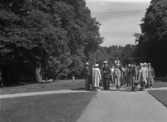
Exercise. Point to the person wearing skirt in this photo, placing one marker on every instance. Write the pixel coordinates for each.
(140, 77)
(96, 77)
(117, 76)
(151, 75)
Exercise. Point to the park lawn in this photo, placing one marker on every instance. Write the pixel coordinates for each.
(160, 95)
(47, 108)
(50, 86)
(159, 84)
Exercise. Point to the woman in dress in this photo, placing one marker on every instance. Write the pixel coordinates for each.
(140, 77)
(96, 77)
(151, 75)
(117, 76)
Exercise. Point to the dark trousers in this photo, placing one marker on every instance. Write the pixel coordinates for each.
(106, 84)
(87, 82)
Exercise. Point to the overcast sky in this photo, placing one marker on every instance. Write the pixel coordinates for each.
(119, 19)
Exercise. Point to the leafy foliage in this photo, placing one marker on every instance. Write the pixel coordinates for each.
(124, 54)
(54, 34)
(152, 41)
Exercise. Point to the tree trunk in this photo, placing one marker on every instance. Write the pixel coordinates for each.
(38, 74)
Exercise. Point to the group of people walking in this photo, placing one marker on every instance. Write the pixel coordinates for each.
(119, 76)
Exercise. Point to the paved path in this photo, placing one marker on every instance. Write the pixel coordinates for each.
(115, 106)
(124, 106)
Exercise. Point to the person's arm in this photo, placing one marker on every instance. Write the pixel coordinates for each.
(136, 72)
(153, 72)
(100, 75)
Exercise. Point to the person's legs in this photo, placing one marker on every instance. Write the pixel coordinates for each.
(89, 82)
(133, 85)
(86, 82)
(104, 84)
(108, 84)
(151, 83)
(142, 85)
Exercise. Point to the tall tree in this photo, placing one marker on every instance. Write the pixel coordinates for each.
(151, 42)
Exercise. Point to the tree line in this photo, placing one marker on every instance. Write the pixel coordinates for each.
(45, 39)
(152, 41)
(52, 39)
(125, 54)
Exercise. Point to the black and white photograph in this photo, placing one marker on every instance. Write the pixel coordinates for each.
(83, 60)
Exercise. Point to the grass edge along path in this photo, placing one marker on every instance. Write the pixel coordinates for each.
(37, 87)
(160, 95)
(47, 108)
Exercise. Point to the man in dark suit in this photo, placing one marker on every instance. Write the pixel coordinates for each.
(106, 76)
(88, 74)
(134, 75)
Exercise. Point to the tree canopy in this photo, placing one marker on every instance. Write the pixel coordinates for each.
(54, 35)
(152, 41)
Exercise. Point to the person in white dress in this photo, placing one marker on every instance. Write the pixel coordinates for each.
(112, 75)
(96, 77)
(145, 74)
(140, 77)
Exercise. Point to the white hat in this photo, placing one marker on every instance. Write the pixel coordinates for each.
(96, 65)
(86, 63)
(105, 62)
(141, 64)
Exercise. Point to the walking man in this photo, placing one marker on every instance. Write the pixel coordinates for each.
(88, 73)
(106, 76)
(134, 75)
(151, 75)
(117, 76)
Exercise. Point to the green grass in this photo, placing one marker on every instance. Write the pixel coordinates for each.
(159, 84)
(163, 79)
(46, 108)
(160, 95)
(60, 85)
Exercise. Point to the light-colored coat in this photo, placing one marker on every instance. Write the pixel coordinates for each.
(151, 76)
(117, 76)
(145, 74)
(96, 77)
(140, 75)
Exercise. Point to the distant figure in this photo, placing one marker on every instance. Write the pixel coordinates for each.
(96, 77)
(140, 77)
(117, 76)
(128, 74)
(123, 76)
(1, 80)
(145, 73)
(134, 72)
(106, 76)
(151, 75)
(87, 73)
(112, 75)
